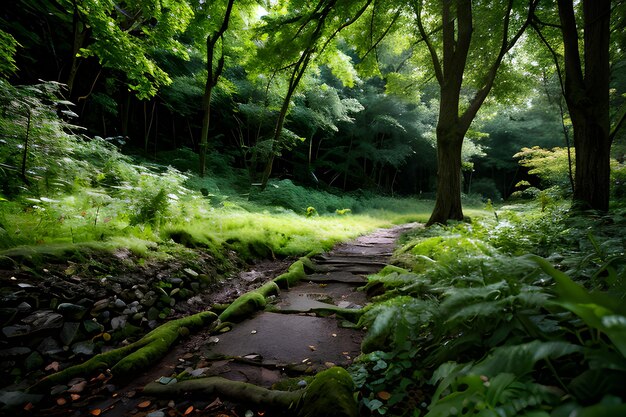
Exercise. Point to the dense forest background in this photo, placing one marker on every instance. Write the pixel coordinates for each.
(151, 150)
(361, 114)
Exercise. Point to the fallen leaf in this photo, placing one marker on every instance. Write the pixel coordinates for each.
(313, 348)
(75, 397)
(305, 360)
(28, 407)
(188, 410)
(54, 366)
(61, 401)
(144, 404)
(384, 395)
(95, 412)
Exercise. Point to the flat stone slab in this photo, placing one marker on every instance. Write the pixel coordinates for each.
(352, 268)
(286, 339)
(309, 297)
(300, 302)
(345, 277)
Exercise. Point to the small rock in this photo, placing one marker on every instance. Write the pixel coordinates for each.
(24, 307)
(100, 305)
(83, 348)
(25, 285)
(58, 389)
(118, 322)
(72, 311)
(302, 383)
(78, 387)
(344, 304)
(175, 281)
(16, 330)
(49, 346)
(44, 320)
(92, 326)
(33, 361)
(119, 303)
(157, 413)
(68, 332)
(14, 351)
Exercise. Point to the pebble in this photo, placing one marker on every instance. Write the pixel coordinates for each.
(24, 307)
(119, 303)
(118, 322)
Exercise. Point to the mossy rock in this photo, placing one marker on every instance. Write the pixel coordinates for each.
(330, 394)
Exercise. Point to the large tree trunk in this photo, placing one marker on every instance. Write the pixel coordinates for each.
(448, 202)
(587, 97)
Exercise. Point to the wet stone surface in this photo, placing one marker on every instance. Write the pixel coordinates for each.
(68, 316)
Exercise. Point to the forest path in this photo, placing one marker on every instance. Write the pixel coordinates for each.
(289, 340)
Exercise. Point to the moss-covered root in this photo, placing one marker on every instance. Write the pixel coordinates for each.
(329, 394)
(294, 274)
(128, 360)
(248, 303)
(232, 390)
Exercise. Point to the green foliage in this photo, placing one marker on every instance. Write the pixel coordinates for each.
(550, 165)
(471, 328)
(8, 47)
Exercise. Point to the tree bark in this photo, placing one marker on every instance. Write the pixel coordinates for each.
(457, 31)
(211, 81)
(587, 98)
(448, 201)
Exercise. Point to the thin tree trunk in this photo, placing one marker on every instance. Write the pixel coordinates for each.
(213, 76)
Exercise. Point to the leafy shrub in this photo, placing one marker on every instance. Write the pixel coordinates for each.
(471, 328)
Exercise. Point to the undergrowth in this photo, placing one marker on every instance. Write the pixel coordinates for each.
(59, 188)
(472, 325)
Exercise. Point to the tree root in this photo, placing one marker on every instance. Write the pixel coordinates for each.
(329, 394)
(248, 303)
(126, 361)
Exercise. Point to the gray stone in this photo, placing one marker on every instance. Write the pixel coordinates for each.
(119, 303)
(72, 311)
(14, 351)
(100, 305)
(44, 320)
(118, 322)
(84, 348)
(16, 330)
(68, 332)
(49, 346)
(24, 307)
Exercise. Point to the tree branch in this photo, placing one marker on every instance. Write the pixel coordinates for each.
(417, 5)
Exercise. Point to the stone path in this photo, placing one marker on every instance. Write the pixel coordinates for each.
(287, 340)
